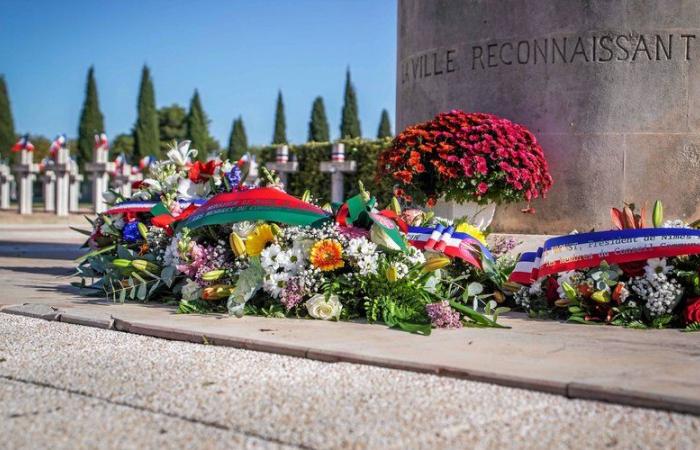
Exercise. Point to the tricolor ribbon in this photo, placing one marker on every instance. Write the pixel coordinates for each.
(446, 240)
(581, 251)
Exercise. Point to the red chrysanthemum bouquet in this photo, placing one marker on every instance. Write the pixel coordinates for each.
(466, 157)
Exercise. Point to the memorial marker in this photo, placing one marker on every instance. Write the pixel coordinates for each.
(338, 167)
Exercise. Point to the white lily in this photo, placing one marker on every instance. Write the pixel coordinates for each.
(188, 190)
(181, 154)
(153, 183)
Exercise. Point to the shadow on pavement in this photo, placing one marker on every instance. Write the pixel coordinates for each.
(40, 250)
(57, 271)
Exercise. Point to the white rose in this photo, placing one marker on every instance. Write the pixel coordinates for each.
(325, 309)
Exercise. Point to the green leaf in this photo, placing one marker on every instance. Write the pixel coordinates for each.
(475, 316)
(691, 328)
(94, 253)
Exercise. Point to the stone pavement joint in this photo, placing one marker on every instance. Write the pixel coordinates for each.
(573, 390)
(195, 420)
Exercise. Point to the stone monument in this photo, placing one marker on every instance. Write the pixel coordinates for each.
(25, 172)
(610, 88)
(282, 165)
(6, 179)
(99, 170)
(123, 177)
(74, 188)
(62, 170)
(338, 167)
(48, 180)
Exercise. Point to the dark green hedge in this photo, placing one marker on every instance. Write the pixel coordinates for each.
(310, 177)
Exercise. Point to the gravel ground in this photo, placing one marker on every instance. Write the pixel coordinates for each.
(121, 390)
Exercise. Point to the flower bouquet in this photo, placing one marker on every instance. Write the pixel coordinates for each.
(195, 235)
(635, 276)
(466, 157)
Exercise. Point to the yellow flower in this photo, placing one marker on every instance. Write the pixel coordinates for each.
(258, 239)
(471, 230)
(327, 255)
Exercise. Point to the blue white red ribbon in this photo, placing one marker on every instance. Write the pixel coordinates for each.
(445, 240)
(580, 251)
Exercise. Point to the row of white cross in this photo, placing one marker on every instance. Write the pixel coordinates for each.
(337, 167)
(61, 179)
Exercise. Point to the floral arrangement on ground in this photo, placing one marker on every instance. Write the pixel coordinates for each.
(655, 282)
(194, 234)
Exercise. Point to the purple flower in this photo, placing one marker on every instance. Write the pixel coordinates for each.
(442, 315)
(292, 294)
(130, 232)
(234, 178)
(204, 258)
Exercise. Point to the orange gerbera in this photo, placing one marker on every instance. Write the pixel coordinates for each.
(327, 255)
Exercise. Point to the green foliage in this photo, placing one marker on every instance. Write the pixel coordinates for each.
(318, 125)
(693, 327)
(384, 130)
(91, 120)
(280, 134)
(123, 143)
(198, 128)
(238, 142)
(172, 126)
(146, 133)
(7, 125)
(350, 120)
(309, 176)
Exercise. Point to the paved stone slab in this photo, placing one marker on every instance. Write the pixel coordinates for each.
(43, 417)
(309, 403)
(647, 368)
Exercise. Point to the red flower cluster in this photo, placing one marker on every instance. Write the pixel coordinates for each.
(466, 157)
(691, 312)
(200, 172)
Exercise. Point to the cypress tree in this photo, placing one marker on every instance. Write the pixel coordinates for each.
(198, 127)
(7, 125)
(350, 121)
(280, 134)
(146, 133)
(318, 125)
(172, 125)
(238, 142)
(91, 120)
(384, 130)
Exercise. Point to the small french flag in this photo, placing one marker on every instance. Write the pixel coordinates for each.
(101, 141)
(57, 144)
(23, 144)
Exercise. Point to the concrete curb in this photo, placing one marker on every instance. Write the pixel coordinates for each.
(574, 390)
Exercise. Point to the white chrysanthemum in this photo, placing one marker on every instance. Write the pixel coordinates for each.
(268, 258)
(655, 266)
(401, 270)
(275, 283)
